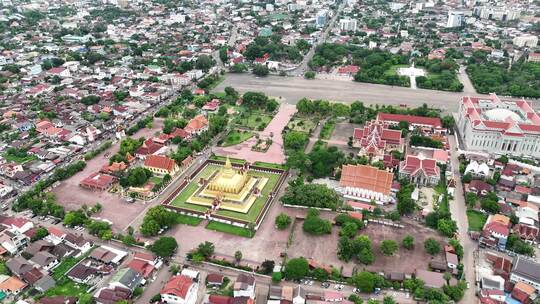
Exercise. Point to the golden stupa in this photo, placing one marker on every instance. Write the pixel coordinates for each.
(228, 180)
(234, 189)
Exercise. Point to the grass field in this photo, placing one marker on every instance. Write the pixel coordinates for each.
(476, 220)
(235, 137)
(188, 220)
(67, 288)
(255, 120)
(327, 129)
(66, 265)
(19, 160)
(155, 179)
(301, 124)
(269, 165)
(251, 215)
(393, 69)
(230, 229)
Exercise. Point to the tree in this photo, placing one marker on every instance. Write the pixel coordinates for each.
(238, 68)
(260, 70)
(238, 256)
(408, 242)
(311, 195)
(206, 249)
(432, 246)
(490, 205)
(309, 75)
(39, 234)
(447, 227)
(320, 274)
(75, 218)
(283, 221)
(313, 224)
(267, 266)
(447, 277)
(365, 281)
(90, 100)
(349, 229)
(295, 140)
(164, 247)
(388, 300)
(366, 256)
(405, 204)
(204, 63)
(296, 268)
(389, 247)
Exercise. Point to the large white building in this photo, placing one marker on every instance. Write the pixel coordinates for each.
(455, 19)
(497, 13)
(499, 126)
(525, 41)
(347, 24)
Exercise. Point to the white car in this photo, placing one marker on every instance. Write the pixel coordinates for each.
(338, 287)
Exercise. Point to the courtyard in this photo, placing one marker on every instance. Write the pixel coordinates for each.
(181, 200)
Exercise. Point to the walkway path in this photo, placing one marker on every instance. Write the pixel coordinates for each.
(468, 87)
(275, 153)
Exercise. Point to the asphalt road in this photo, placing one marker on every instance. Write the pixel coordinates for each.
(293, 89)
(458, 210)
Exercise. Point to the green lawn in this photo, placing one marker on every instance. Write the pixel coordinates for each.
(251, 215)
(255, 120)
(187, 220)
(155, 179)
(305, 125)
(230, 229)
(233, 160)
(269, 165)
(393, 69)
(67, 288)
(235, 137)
(66, 265)
(19, 160)
(327, 129)
(476, 220)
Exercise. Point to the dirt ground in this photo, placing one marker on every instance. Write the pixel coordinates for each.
(268, 242)
(72, 197)
(343, 131)
(324, 248)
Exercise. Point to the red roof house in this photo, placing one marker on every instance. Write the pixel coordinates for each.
(423, 171)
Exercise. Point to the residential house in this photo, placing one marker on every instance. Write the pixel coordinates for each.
(451, 260)
(81, 273)
(19, 266)
(126, 278)
(432, 279)
(12, 286)
(180, 289)
(112, 295)
(45, 283)
(477, 170)
(44, 260)
(244, 286)
(197, 125)
(78, 242)
(526, 271)
(495, 231)
(214, 280)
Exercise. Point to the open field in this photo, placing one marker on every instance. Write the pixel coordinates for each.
(295, 88)
(324, 248)
(476, 220)
(19, 160)
(393, 69)
(251, 215)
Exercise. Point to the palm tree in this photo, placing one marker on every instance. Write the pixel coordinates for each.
(238, 256)
(447, 277)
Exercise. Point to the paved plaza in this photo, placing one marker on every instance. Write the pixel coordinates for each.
(275, 153)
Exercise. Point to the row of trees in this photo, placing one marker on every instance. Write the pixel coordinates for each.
(311, 195)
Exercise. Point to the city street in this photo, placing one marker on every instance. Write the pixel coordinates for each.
(458, 210)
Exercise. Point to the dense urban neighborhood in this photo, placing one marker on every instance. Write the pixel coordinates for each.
(269, 151)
